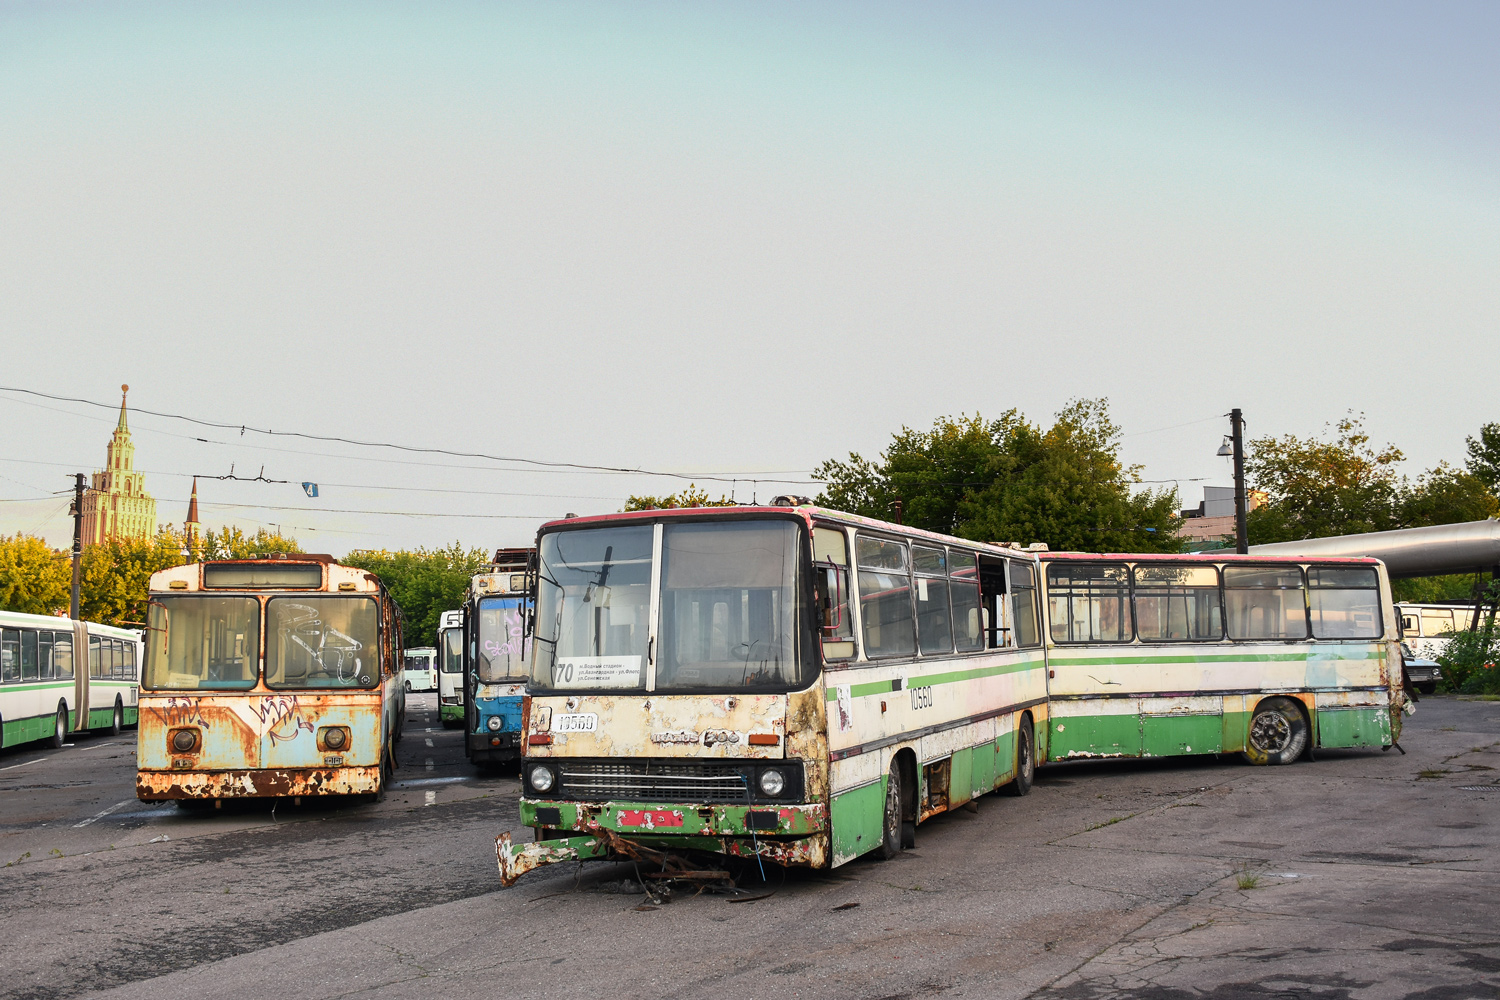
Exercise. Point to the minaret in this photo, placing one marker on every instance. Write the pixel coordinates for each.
(192, 529)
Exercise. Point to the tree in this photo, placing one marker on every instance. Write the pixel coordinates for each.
(116, 576)
(34, 579)
(690, 497)
(1445, 495)
(1484, 456)
(232, 543)
(1314, 488)
(1011, 480)
(425, 583)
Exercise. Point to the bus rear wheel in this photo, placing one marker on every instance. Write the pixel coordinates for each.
(59, 728)
(1025, 761)
(1278, 733)
(891, 840)
(117, 721)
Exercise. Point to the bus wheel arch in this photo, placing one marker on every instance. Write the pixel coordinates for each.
(1279, 731)
(1025, 758)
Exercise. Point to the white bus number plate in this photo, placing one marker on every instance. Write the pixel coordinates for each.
(582, 722)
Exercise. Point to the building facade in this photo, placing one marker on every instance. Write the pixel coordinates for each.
(117, 505)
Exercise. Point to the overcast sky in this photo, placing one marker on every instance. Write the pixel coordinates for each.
(730, 239)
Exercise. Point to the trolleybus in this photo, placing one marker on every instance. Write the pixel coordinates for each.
(451, 669)
(420, 670)
(1271, 657)
(276, 677)
(495, 617)
(44, 687)
(783, 682)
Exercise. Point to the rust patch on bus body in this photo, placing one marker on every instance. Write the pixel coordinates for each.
(156, 786)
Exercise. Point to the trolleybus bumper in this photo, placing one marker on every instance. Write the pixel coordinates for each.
(518, 859)
(497, 747)
(156, 786)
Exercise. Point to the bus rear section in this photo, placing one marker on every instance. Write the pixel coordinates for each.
(44, 686)
(450, 664)
(268, 678)
(420, 672)
(495, 681)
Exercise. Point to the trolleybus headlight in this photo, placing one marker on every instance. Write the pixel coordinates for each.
(495, 723)
(185, 740)
(772, 781)
(541, 778)
(334, 738)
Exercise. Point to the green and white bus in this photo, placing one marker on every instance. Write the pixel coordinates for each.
(781, 682)
(46, 692)
(1271, 657)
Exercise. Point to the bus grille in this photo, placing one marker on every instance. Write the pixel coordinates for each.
(653, 781)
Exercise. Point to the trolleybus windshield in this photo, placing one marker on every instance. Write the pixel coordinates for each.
(731, 608)
(196, 643)
(502, 640)
(322, 642)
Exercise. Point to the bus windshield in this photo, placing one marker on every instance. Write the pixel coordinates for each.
(502, 643)
(322, 642)
(730, 608)
(197, 643)
(452, 645)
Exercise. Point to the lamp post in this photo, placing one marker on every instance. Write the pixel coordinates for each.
(1234, 444)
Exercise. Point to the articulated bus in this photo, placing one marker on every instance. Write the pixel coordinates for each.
(276, 677)
(1271, 657)
(451, 669)
(497, 645)
(43, 694)
(782, 682)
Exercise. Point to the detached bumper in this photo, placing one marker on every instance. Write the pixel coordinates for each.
(157, 786)
(516, 860)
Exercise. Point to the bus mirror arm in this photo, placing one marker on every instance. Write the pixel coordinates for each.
(831, 602)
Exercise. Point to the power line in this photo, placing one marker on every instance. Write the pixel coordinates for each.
(542, 463)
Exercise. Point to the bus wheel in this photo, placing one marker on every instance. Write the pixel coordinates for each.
(1025, 761)
(1278, 733)
(891, 839)
(117, 723)
(59, 728)
(408, 687)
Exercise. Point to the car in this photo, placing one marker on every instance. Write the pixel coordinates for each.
(1423, 673)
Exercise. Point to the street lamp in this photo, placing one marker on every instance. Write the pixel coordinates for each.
(1234, 445)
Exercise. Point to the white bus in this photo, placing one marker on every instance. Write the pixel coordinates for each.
(1426, 627)
(44, 695)
(451, 669)
(420, 670)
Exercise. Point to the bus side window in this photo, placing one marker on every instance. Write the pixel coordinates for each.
(992, 589)
(62, 655)
(28, 656)
(1023, 604)
(963, 581)
(94, 660)
(831, 580)
(10, 656)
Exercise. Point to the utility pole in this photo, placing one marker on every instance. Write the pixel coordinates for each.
(77, 544)
(1237, 434)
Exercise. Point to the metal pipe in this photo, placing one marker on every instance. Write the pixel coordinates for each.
(1468, 547)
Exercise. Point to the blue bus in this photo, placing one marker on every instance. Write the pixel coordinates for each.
(496, 649)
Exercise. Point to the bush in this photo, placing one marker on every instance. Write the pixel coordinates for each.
(1468, 660)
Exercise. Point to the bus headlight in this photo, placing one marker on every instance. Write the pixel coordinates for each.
(185, 740)
(335, 738)
(772, 782)
(495, 723)
(541, 778)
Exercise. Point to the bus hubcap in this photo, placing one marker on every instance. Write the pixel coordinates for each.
(1270, 733)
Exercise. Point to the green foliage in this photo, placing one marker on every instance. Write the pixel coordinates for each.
(1011, 480)
(425, 583)
(232, 543)
(34, 579)
(1469, 658)
(1484, 456)
(1433, 589)
(117, 575)
(1341, 485)
(690, 497)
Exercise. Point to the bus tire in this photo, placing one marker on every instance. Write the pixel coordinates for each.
(59, 728)
(408, 687)
(1278, 733)
(894, 820)
(1025, 760)
(117, 721)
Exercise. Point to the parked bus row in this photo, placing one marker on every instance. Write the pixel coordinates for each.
(47, 692)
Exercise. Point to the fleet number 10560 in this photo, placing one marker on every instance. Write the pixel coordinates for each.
(921, 697)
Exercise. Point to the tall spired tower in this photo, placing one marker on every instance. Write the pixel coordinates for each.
(117, 505)
(192, 528)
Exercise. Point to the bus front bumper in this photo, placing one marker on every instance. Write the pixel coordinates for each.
(501, 746)
(157, 786)
(792, 835)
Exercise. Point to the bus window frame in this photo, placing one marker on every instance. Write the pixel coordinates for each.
(1127, 603)
(1301, 569)
(858, 590)
(1218, 569)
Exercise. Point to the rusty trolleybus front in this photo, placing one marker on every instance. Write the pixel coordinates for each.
(268, 677)
(677, 697)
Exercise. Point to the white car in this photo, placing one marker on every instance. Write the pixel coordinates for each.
(1423, 673)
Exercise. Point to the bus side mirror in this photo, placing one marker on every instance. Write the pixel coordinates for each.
(831, 598)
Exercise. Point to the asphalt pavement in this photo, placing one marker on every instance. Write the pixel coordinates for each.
(1360, 875)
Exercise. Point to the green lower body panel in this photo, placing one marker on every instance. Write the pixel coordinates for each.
(101, 718)
(985, 770)
(1354, 727)
(1095, 736)
(1235, 728)
(1173, 735)
(961, 776)
(447, 712)
(856, 820)
(26, 730)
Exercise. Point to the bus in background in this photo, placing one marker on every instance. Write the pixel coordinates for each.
(420, 670)
(497, 646)
(451, 669)
(41, 689)
(275, 677)
(781, 682)
(1427, 627)
(1271, 657)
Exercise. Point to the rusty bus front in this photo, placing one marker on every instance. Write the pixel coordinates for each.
(275, 677)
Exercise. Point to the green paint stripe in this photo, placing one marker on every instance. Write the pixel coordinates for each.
(65, 685)
(928, 680)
